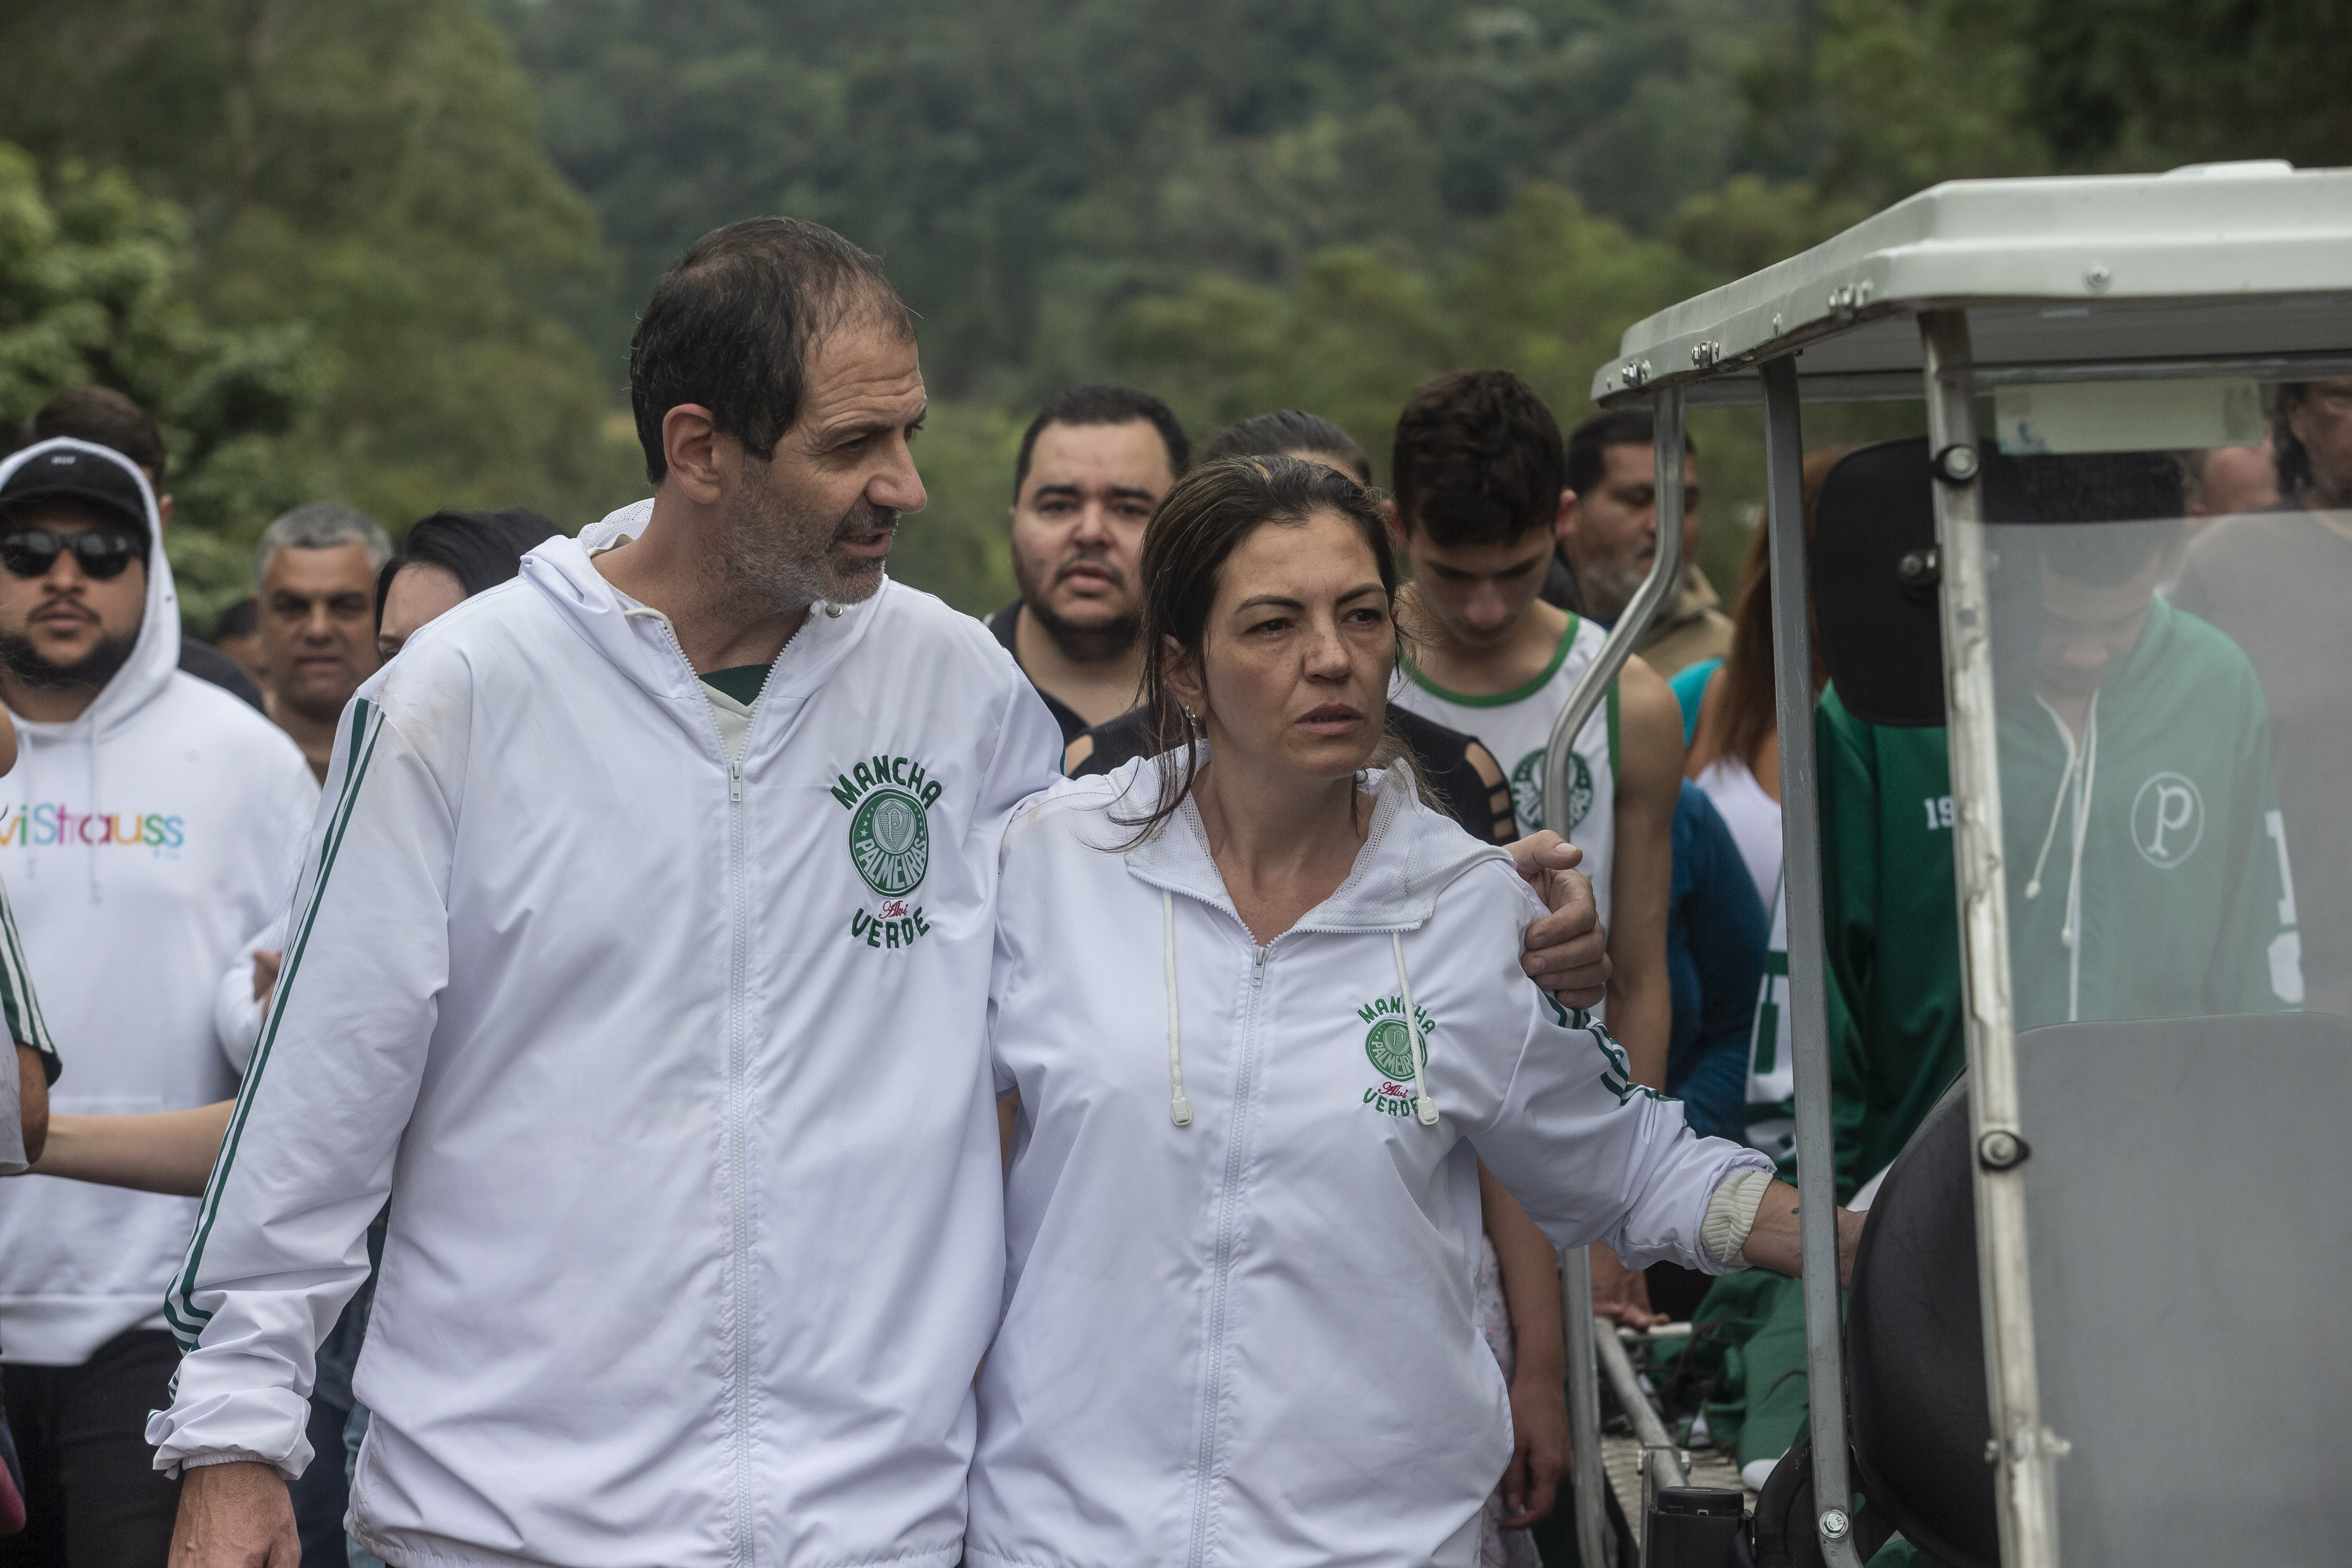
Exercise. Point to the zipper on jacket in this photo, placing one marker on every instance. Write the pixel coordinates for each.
(740, 1208)
(737, 1117)
(1213, 1377)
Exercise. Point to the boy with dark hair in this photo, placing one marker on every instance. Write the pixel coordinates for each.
(1480, 498)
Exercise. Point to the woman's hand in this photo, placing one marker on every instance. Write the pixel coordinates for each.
(1567, 952)
(1538, 1440)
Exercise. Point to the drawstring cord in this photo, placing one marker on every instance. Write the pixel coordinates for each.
(1423, 1106)
(2086, 757)
(1180, 1109)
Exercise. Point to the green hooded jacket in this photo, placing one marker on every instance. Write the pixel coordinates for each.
(2159, 833)
(2182, 888)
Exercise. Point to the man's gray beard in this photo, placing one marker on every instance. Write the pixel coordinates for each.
(774, 557)
(1106, 643)
(92, 670)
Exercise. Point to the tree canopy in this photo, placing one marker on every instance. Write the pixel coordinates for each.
(390, 251)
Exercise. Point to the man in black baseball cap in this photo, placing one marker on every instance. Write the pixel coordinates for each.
(70, 500)
(105, 418)
(157, 817)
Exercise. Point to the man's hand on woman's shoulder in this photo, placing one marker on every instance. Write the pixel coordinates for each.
(1567, 950)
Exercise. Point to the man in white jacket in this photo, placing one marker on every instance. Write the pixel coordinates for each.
(153, 824)
(641, 956)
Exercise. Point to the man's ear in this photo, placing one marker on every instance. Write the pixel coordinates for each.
(1397, 534)
(701, 461)
(1563, 519)
(163, 512)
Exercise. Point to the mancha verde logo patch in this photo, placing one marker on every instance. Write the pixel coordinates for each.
(889, 800)
(1388, 1045)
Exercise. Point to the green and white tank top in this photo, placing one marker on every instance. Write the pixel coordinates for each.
(1517, 725)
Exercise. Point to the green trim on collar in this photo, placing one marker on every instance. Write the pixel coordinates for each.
(1502, 698)
(743, 682)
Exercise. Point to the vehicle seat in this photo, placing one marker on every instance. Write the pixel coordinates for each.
(1916, 1394)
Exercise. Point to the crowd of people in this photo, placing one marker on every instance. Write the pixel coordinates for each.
(667, 1046)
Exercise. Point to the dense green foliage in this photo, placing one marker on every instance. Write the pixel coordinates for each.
(355, 250)
(357, 193)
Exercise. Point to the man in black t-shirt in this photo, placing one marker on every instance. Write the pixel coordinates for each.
(1093, 465)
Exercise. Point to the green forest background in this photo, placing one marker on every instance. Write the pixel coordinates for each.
(389, 252)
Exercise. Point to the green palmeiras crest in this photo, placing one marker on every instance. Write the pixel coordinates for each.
(1390, 1046)
(1526, 791)
(890, 841)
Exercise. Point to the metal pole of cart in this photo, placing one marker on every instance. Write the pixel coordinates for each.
(1589, 1482)
(1801, 830)
(2023, 1448)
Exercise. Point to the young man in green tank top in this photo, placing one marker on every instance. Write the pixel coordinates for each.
(1479, 474)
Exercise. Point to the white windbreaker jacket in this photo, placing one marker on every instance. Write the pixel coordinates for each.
(674, 1073)
(1250, 1340)
(140, 844)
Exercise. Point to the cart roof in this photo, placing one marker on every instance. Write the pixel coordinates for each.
(2222, 261)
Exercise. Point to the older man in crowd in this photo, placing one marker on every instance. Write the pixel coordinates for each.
(315, 572)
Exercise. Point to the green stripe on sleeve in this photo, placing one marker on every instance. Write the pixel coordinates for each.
(180, 1310)
(22, 1004)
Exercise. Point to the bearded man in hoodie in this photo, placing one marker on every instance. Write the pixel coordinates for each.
(153, 825)
(642, 956)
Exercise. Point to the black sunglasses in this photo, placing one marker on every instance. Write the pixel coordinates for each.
(32, 553)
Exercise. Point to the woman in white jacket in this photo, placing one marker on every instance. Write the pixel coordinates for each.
(1260, 1008)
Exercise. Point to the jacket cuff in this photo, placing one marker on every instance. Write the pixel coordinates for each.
(1731, 1215)
(203, 1427)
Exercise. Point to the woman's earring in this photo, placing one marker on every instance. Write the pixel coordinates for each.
(1190, 718)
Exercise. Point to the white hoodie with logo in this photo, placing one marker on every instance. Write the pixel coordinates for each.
(674, 1069)
(140, 844)
(1250, 1339)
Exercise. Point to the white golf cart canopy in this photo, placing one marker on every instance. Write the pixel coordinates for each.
(2150, 1166)
(2246, 262)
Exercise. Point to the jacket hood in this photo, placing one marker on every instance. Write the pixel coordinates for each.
(1411, 853)
(156, 654)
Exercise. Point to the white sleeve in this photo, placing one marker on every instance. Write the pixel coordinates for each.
(1593, 1156)
(1028, 760)
(237, 1011)
(280, 1243)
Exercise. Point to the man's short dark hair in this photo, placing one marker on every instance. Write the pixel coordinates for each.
(1589, 442)
(1478, 459)
(103, 418)
(1106, 405)
(1289, 430)
(732, 323)
(242, 619)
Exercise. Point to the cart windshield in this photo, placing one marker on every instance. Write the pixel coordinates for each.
(2173, 673)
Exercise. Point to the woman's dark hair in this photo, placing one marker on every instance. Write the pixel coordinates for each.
(480, 548)
(1738, 724)
(1289, 431)
(1198, 526)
